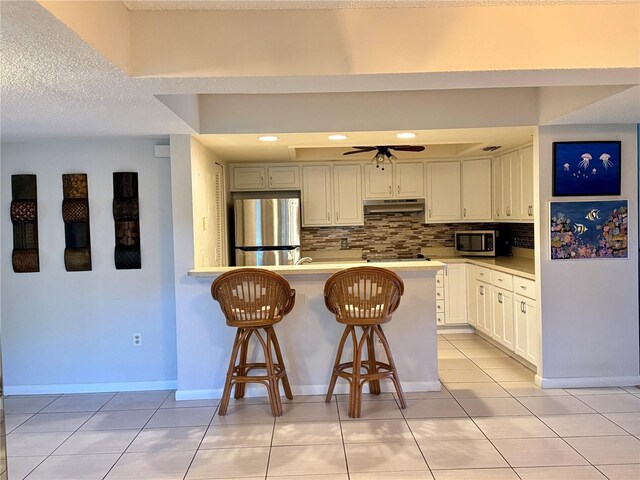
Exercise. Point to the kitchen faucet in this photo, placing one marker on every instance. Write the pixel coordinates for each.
(304, 260)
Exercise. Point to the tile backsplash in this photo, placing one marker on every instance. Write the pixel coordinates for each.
(399, 234)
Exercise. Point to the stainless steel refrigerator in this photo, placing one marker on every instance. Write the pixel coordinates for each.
(267, 231)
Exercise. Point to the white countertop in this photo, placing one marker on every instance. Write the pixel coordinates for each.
(313, 268)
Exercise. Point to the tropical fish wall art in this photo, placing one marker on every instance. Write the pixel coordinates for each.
(586, 168)
(591, 229)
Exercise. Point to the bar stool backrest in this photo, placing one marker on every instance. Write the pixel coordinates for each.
(253, 297)
(363, 295)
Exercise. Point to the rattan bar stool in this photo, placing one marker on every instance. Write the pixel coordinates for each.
(253, 300)
(363, 297)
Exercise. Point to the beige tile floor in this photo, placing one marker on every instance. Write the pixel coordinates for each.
(488, 422)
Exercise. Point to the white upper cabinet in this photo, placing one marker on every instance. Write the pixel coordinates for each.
(476, 189)
(402, 180)
(409, 180)
(316, 195)
(513, 186)
(332, 195)
(248, 178)
(286, 177)
(347, 195)
(443, 191)
(526, 175)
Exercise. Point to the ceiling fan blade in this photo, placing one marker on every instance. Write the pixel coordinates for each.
(408, 148)
(362, 150)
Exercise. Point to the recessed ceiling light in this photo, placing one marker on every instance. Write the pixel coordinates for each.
(268, 138)
(406, 135)
(337, 137)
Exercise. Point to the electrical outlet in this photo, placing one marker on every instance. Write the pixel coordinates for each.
(344, 243)
(137, 339)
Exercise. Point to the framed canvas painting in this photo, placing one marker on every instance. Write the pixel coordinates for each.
(591, 229)
(586, 168)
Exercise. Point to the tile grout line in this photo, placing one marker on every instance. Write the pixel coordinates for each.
(344, 445)
(136, 436)
(477, 426)
(201, 440)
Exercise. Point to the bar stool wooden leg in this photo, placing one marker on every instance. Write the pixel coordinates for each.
(374, 385)
(276, 346)
(394, 376)
(240, 387)
(355, 394)
(226, 393)
(336, 364)
(272, 379)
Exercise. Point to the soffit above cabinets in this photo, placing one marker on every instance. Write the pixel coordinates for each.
(315, 146)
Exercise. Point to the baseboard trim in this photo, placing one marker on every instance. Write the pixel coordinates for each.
(260, 391)
(89, 387)
(585, 382)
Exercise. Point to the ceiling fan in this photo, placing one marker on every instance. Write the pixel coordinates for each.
(383, 153)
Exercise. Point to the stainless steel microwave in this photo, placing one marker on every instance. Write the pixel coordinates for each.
(483, 243)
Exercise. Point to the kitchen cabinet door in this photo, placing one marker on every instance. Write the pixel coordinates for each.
(443, 191)
(483, 307)
(409, 180)
(476, 189)
(502, 305)
(527, 333)
(248, 178)
(498, 210)
(526, 175)
(378, 183)
(316, 195)
(347, 195)
(283, 178)
(471, 297)
(455, 294)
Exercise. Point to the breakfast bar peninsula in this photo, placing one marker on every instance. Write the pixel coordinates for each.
(309, 334)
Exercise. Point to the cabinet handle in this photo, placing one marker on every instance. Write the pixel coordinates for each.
(523, 287)
(500, 280)
(481, 290)
(398, 189)
(271, 181)
(429, 213)
(337, 216)
(389, 189)
(464, 212)
(531, 210)
(524, 307)
(328, 216)
(499, 298)
(261, 180)
(497, 212)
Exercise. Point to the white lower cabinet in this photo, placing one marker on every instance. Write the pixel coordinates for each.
(455, 294)
(502, 308)
(483, 307)
(527, 331)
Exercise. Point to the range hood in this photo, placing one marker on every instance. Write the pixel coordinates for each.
(396, 205)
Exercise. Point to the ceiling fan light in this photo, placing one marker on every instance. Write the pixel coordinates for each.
(392, 158)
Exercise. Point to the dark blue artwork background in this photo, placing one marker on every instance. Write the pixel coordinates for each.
(577, 211)
(604, 182)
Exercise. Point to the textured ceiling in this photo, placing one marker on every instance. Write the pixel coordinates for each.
(330, 4)
(53, 84)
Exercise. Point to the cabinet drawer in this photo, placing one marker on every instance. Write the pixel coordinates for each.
(439, 279)
(502, 280)
(440, 318)
(439, 293)
(525, 287)
(439, 306)
(483, 274)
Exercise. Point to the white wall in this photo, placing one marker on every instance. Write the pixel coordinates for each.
(204, 341)
(589, 308)
(72, 331)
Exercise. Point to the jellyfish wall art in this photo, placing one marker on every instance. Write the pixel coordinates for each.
(592, 229)
(586, 168)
